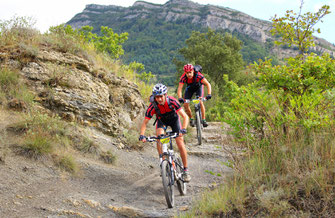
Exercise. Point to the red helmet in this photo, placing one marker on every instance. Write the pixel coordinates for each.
(188, 68)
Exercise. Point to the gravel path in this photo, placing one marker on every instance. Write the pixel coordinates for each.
(131, 188)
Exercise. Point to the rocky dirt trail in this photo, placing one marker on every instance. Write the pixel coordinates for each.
(130, 188)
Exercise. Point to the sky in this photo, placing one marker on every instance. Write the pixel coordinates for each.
(52, 13)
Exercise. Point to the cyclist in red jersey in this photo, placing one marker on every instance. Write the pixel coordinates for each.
(195, 84)
(167, 110)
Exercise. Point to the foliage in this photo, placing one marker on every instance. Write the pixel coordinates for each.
(12, 87)
(16, 29)
(285, 121)
(37, 145)
(217, 54)
(298, 76)
(41, 132)
(108, 157)
(108, 41)
(16, 23)
(155, 42)
(67, 163)
(138, 68)
(296, 28)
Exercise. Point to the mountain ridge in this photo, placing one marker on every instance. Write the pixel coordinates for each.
(151, 22)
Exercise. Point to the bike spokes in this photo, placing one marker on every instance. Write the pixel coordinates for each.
(167, 179)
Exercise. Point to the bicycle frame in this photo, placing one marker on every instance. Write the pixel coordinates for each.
(168, 163)
(198, 116)
(167, 150)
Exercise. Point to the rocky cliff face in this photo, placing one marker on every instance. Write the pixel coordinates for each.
(70, 86)
(211, 16)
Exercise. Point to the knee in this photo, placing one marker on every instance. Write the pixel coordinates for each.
(180, 141)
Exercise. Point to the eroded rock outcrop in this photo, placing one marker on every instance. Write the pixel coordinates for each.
(70, 86)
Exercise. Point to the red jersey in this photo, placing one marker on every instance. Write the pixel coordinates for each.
(184, 79)
(163, 108)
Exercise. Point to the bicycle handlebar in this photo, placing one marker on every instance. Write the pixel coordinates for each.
(168, 134)
(189, 100)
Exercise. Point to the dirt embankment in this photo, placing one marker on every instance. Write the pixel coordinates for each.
(130, 188)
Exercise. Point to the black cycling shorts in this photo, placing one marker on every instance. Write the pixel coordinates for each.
(175, 125)
(191, 90)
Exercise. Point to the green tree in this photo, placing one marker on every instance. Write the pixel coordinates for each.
(217, 54)
(297, 29)
(299, 95)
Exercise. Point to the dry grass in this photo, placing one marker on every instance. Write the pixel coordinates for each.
(108, 157)
(291, 176)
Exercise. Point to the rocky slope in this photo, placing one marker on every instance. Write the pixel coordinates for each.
(187, 11)
(73, 88)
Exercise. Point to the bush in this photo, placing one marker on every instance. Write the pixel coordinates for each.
(286, 121)
(37, 145)
(108, 157)
(11, 87)
(67, 163)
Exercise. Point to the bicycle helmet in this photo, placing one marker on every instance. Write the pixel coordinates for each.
(188, 68)
(197, 68)
(159, 89)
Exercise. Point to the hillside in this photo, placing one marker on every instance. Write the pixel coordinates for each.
(156, 31)
(69, 134)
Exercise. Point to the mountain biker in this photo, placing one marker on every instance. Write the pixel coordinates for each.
(167, 110)
(195, 84)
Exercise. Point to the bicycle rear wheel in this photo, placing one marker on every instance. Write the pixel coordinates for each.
(167, 179)
(180, 183)
(198, 123)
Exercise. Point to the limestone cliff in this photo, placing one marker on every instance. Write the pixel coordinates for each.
(211, 16)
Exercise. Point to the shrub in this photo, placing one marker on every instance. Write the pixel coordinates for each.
(12, 87)
(286, 120)
(67, 163)
(37, 145)
(9, 79)
(88, 146)
(108, 157)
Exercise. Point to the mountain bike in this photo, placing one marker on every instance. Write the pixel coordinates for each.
(198, 117)
(171, 167)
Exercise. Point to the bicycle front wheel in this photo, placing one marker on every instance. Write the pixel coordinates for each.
(180, 183)
(198, 123)
(167, 179)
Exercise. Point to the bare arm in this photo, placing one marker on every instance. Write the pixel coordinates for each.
(144, 126)
(185, 118)
(180, 88)
(209, 87)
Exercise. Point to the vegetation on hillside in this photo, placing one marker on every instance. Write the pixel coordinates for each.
(284, 123)
(155, 42)
(44, 135)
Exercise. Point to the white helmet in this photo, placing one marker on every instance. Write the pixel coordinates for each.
(159, 89)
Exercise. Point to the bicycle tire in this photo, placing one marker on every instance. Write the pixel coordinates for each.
(182, 187)
(167, 180)
(198, 124)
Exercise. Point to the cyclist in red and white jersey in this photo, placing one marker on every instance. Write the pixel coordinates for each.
(168, 112)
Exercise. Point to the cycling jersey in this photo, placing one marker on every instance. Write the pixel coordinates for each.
(193, 81)
(167, 114)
